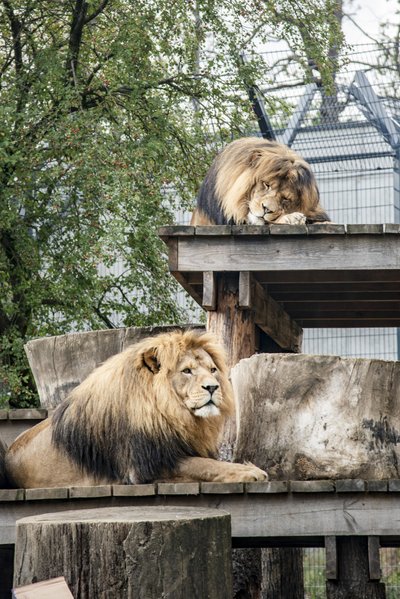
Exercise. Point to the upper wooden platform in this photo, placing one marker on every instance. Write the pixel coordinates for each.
(320, 275)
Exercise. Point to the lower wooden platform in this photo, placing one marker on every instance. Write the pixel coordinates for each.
(271, 514)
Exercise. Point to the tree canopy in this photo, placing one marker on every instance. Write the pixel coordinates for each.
(110, 114)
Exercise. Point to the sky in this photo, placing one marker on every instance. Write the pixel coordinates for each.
(368, 14)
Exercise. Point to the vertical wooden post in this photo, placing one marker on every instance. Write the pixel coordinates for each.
(357, 565)
(236, 328)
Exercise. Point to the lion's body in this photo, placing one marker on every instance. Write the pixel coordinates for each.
(256, 181)
(141, 416)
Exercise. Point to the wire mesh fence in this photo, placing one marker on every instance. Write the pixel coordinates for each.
(314, 572)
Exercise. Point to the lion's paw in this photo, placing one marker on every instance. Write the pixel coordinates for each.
(295, 218)
(245, 473)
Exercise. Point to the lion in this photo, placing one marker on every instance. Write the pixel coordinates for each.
(152, 412)
(255, 181)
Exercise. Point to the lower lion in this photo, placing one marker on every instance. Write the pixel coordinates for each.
(153, 412)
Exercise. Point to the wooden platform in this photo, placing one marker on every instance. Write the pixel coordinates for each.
(316, 275)
(271, 514)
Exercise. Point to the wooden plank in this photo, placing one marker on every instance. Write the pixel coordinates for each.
(268, 314)
(374, 564)
(27, 414)
(209, 301)
(173, 250)
(46, 494)
(144, 490)
(12, 495)
(175, 230)
(288, 230)
(302, 309)
(377, 486)
(303, 296)
(271, 486)
(331, 569)
(394, 485)
(370, 229)
(221, 488)
(213, 230)
(267, 518)
(391, 228)
(251, 229)
(3, 414)
(302, 253)
(360, 279)
(312, 486)
(350, 486)
(90, 492)
(326, 229)
(178, 488)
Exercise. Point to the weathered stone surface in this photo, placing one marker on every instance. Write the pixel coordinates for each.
(319, 417)
(129, 552)
(60, 363)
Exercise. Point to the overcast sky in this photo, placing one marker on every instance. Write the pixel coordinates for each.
(368, 14)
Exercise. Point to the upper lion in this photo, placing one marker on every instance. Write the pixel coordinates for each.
(256, 181)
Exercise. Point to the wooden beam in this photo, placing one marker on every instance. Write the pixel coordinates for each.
(209, 290)
(331, 570)
(268, 314)
(338, 253)
(374, 564)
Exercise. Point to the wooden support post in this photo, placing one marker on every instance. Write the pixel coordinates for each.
(129, 552)
(234, 326)
(268, 314)
(6, 570)
(357, 570)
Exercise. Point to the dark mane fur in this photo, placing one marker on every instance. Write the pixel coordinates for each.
(149, 458)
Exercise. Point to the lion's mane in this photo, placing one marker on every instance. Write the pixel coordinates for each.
(126, 423)
(226, 190)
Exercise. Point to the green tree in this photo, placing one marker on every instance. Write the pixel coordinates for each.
(110, 111)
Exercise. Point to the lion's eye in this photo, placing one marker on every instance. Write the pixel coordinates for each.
(266, 186)
(213, 370)
(187, 371)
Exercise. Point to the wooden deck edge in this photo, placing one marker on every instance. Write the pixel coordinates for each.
(256, 488)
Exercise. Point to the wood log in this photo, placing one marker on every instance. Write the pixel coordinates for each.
(354, 579)
(129, 552)
(319, 417)
(60, 363)
(279, 580)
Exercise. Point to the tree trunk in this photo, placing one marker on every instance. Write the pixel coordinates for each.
(128, 552)
(353, 572)
(279, 580)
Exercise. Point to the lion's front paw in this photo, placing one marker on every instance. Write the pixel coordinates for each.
(295, 218)
(244, 473)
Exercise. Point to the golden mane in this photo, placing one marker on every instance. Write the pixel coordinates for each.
(254, 172)
(154, 411)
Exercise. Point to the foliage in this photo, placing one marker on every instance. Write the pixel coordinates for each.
(109, 113)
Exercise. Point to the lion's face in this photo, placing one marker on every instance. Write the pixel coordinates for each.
(196, 381)
(269, 200)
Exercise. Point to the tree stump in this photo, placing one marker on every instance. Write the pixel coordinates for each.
(313, 417)
(134, 553)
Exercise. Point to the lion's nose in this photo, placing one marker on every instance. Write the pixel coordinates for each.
(210, 388)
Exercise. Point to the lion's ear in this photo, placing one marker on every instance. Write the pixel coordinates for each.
(150, 361)
(254, 157)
